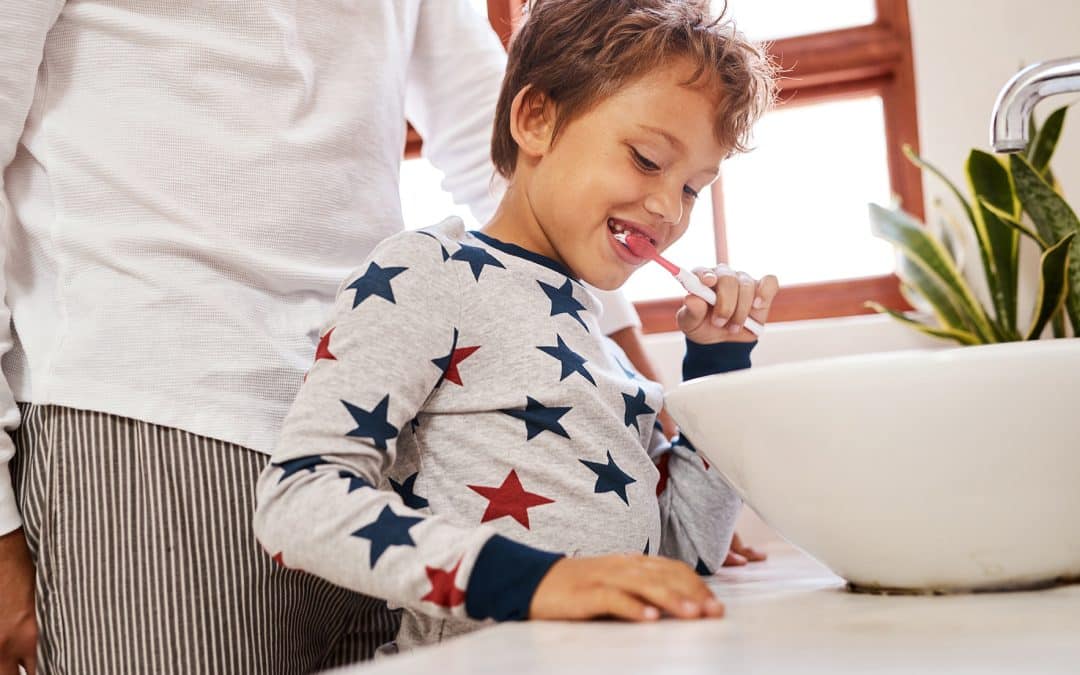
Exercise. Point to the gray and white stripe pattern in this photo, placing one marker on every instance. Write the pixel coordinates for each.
(147, 563)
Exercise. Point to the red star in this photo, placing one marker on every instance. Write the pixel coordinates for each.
(457, 357)
(510, 499)
(662, 466)
(323, 350)
(443, 591)
(280, 560)
(705, 462)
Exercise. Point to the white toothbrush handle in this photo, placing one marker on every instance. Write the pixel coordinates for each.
(693, 285)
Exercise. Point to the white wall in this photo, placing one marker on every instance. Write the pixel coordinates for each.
(965, 50)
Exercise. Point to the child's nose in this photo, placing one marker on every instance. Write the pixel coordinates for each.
(665, 203)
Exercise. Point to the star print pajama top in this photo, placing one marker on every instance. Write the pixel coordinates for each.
(465, 424)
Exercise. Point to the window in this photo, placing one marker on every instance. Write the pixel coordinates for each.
(797, 205)
(773, 19)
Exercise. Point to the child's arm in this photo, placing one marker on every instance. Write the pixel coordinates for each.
(698, 509)
(318, 506)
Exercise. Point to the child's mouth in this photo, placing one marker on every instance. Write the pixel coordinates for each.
(618, 226)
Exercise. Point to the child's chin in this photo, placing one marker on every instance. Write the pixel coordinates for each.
(606, 283)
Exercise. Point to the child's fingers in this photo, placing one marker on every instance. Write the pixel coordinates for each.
(767, 289)
(707, 275)
(743, 303)
(734, 560)
(692, 314)
(609, 601)
(753, 555)
(670, 585)
(727, 296)
(747, 553)
(656, 593)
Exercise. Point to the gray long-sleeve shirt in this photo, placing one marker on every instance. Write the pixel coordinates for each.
(464, 424)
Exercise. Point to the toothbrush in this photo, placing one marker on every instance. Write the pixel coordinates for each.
(643, 248)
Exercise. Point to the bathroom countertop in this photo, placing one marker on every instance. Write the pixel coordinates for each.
(788, 614)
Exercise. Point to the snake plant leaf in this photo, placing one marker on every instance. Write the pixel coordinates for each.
(906, 234)
(1053, 285)
(1054, 220)
(963, 337)
(1045, 141)
(1058, 324)
(1014, 223)
(999, 244)
(926, 293)
(948, 229)
(927, 166)
(1057, 318)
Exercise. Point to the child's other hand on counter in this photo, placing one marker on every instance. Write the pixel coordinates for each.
(738, 296)
(630, 587)
(739, 553)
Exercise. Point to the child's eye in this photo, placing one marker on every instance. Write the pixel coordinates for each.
(644, 162)
(690, 192)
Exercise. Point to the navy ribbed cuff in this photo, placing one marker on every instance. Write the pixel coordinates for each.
(504, 579)
(722, 357)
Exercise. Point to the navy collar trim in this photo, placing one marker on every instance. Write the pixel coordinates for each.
(515, 250)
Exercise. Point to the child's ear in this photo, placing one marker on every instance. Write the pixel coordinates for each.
(532, 122)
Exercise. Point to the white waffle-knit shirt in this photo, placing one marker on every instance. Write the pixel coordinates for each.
(187, 183)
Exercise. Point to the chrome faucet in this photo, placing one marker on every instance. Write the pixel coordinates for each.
(1015, 103)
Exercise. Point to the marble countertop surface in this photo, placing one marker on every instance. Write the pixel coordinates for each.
(788, 614)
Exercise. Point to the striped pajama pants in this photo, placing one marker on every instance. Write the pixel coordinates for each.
(146, 562)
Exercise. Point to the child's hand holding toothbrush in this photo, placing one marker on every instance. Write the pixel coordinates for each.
(741, 302)
(722, 306)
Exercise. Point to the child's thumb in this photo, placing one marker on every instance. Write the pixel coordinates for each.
(692, 314)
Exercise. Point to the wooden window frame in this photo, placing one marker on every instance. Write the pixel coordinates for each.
(873, 59)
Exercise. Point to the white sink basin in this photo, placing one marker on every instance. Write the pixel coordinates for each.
(917, 471)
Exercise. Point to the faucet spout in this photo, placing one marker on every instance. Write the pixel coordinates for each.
(1015, 103)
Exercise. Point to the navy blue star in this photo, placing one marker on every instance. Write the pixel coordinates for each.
(539, 418)
(376, 281)
(609, 477)
(477, 258)
(563, 302)
(570, 360)
(355, 482)
(635, 405)
(299, 464)
(646, 551)
(443, 362)
(703, 569)
(405, 491)
(388, 530)
(372, 424)
(683, 441)
(445, 254)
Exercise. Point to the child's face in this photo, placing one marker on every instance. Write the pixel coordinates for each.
(634, 161)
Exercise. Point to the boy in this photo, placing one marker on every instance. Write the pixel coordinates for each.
(464, 373)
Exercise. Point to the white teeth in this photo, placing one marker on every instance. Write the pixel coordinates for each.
(620, 229)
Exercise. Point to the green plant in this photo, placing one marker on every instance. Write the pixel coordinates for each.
(1003, 191)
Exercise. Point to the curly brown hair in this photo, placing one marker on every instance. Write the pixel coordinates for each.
(578, 52)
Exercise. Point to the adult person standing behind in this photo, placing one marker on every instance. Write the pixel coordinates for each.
(184, 186)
